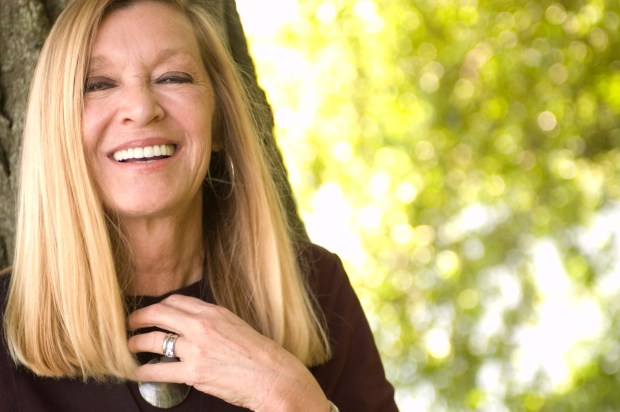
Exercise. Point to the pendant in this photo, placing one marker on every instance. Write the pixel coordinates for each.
(163, 394)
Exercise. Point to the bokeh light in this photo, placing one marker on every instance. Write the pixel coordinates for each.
(462, 158)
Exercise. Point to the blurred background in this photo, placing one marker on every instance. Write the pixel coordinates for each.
(463, 158)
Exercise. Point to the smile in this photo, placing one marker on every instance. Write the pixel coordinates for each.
(145, 153)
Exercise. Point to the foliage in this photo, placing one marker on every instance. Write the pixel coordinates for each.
(462, 156)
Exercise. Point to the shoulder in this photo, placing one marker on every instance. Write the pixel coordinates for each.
(316, 254)
(324, 269)
(332, 290)
(354, 378)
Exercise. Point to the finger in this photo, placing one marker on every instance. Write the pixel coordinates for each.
(173, 372)
(159, 315)
(189, 304)
(153, 342)
(179, 314)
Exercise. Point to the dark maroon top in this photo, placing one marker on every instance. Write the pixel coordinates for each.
(353, 379)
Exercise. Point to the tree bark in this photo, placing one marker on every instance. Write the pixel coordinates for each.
(24, 24)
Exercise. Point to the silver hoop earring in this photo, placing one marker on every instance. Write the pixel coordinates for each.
(231, 170)
(221, 175)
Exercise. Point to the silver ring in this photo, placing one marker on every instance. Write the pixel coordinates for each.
(168, 345)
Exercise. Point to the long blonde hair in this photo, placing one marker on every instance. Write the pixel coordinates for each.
(65, 314)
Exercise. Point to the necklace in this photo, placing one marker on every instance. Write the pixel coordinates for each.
(163, 394)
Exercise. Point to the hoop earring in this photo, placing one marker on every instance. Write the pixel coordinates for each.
(221, 174)
(231, 169)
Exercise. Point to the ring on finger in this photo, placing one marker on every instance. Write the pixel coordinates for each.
(168, 345)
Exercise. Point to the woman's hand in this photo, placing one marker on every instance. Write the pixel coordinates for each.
(223, 356)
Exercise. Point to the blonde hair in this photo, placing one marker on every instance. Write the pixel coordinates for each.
(65, 314)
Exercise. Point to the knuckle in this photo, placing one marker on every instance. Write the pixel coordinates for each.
(195, 375)
(217, 314)
(204, 324)
(153, 310)
(172, 299)
(221, 311)
(194, 351)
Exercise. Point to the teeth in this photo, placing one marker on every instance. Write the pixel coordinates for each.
(144, 152)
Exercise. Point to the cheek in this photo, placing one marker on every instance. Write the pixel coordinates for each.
(198, 123)
(93, 123)
(89, 125)
(202, 113)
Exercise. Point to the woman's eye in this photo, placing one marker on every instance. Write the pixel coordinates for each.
(97, 84)
(176, 78)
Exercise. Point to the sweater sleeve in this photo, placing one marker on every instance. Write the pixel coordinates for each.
(354, 378)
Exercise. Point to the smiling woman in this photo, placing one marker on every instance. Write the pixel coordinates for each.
(154, 265)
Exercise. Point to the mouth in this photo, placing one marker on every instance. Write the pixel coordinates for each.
(144, 154)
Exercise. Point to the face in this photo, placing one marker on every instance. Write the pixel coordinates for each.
(148, 108)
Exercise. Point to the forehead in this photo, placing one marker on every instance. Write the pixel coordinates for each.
(145, 29)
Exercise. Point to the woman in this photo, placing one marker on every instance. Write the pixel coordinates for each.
(151, 246)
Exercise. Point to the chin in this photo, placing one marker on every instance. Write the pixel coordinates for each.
(139, 210)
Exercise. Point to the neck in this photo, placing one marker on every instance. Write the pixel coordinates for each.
(167, 252)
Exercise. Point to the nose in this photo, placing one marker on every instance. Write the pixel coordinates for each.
(140, 105)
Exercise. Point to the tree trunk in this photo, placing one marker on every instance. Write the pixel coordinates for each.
(24, 24)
